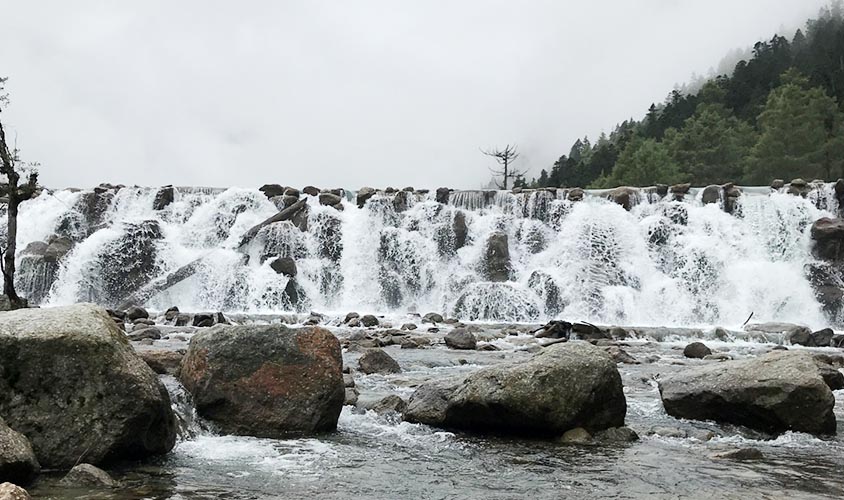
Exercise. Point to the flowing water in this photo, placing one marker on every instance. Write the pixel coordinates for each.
(663, 263)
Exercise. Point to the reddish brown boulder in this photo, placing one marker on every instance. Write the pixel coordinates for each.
(267, 380)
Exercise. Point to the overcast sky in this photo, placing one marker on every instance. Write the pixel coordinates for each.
(345, 93)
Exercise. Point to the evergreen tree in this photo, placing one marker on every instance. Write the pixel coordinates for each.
(801, 133)
(643, 162)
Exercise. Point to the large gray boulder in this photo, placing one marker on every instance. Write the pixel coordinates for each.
(777, 392)
(496, 266)
(563, 387)
(17, 460)
(72, 384)
(266, 380)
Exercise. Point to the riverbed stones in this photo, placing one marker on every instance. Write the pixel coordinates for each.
(266, 380)
(460, 338)
(88, 476)
(18, 463)
(136, 312)
(369, 320)
(378, 361)
(162, 361)
(625, 196)
(563, 387)
(696, 350)
(776, 392)
(73, 385)
(432, 317)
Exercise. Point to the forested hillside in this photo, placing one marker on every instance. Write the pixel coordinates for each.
(778, 115)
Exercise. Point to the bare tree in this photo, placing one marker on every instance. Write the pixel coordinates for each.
(505, 158)
(11, 168)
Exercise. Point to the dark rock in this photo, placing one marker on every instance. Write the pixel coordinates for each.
(496, 264)
(800, 335)
(171, 314)
(776, 392)
(443, 195)
(389, 404)
(711, 194)
(145, 333)
(460, 338)
(165, 196)
(271, 190)
(822, 338)
(554, 329)
(575, 194)
(368, 320)
(696, 350)
(432, 317)
(53, 398)
(88, 476)
(461, 230)
(777, 184)
(267, 380)
(619, 355)
(135, 312)
(285, 266)
(329, 199)
(409, 326)
(350, 316)
(378, 361)
(529, 397)
(828, 236)
(364, 194)
(311, 191)
(183, 319)
(627, 197)
(17, 460)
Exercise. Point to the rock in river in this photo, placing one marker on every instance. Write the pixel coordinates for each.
(565, 386)
(17, 460)
(72, 384)
(266, 380)
(777, 392)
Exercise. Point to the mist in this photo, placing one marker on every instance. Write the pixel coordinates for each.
(346, 94)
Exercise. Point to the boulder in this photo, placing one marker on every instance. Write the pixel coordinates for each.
(823, 338)
(575, 194)
(88, 476)
(388, 404)
(696, 350)
(17, 460)
(151, 333)
(496, 265)
(777, 184)
(272, 190)
(460, 338)
(799, 335)
(329, 199)
(163, 362)
(711, 194)
(378, 361)
(565, 386)
(461, 230)
(266, 380)
(777, 392)
(311, 191)
(627, 197)
(102, 402)
(364, 194)
(368, 320)
(828, 236)
(9, 491)
(350, 316)
(443, 195)
(432, 317)
(135, 312)
(171, 314)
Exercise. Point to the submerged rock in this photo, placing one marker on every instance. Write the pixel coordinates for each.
(102, 402)
(460, 338)
(267, 380)
(563, 387)
(774, 393)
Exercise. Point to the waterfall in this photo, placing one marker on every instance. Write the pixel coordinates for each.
(664, 262)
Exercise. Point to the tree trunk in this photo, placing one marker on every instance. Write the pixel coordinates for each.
(11, 248)
(157, 286)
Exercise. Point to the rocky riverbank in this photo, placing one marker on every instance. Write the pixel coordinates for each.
(738, 393)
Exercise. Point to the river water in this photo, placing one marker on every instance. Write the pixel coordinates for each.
(663, 263)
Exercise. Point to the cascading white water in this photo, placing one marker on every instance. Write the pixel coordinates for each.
(662, 263)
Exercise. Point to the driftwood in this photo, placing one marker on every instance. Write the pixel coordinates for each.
(162, 283)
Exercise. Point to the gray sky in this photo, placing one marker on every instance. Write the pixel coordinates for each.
(345, 93)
